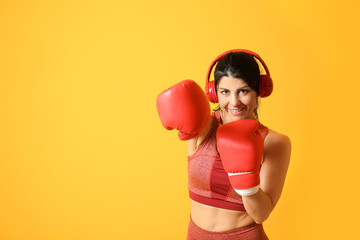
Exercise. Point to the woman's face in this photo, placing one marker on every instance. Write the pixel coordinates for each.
(237, 100)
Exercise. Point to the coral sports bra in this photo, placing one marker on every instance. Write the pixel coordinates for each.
(208, 182)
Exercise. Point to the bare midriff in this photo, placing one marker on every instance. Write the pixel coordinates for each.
(218, 219)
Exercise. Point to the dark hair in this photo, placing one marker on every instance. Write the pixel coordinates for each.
(238, 65)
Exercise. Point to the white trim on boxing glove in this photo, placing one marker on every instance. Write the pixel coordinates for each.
(247, 192)
(238, 173)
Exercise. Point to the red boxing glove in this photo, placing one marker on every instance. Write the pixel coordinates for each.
(241, 146)
(184, 107)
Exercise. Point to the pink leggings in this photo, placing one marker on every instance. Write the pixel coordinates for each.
(253, 231)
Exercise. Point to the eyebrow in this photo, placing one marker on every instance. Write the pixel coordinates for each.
(237, 89)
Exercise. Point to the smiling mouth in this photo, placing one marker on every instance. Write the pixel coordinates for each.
(235, 111)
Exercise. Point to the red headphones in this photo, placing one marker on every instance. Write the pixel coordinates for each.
(265, 84)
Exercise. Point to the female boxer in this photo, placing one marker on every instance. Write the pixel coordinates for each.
(236, 165)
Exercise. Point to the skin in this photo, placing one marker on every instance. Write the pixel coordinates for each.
(234, 94)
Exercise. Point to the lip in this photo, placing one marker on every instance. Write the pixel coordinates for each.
(236, 113)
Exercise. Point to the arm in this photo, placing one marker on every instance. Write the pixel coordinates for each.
(194, 143)
(277, 151)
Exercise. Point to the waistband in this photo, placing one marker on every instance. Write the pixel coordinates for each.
(253, 231)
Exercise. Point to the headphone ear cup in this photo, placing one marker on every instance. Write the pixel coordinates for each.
(211, 92)
(265, 86)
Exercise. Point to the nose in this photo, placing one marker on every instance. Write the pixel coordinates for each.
(235, 100)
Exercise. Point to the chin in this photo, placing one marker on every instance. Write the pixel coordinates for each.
(239, 116)
(236, 118)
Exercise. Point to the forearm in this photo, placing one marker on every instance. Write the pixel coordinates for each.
(258, 206)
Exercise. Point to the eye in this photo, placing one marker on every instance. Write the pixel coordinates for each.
(224, 92)
(243, 91)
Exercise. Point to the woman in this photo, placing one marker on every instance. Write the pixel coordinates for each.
(217, 209)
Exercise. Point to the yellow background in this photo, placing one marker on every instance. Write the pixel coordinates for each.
(83, 154)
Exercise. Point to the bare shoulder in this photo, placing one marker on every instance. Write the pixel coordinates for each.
(276, 141)
(277, 148)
